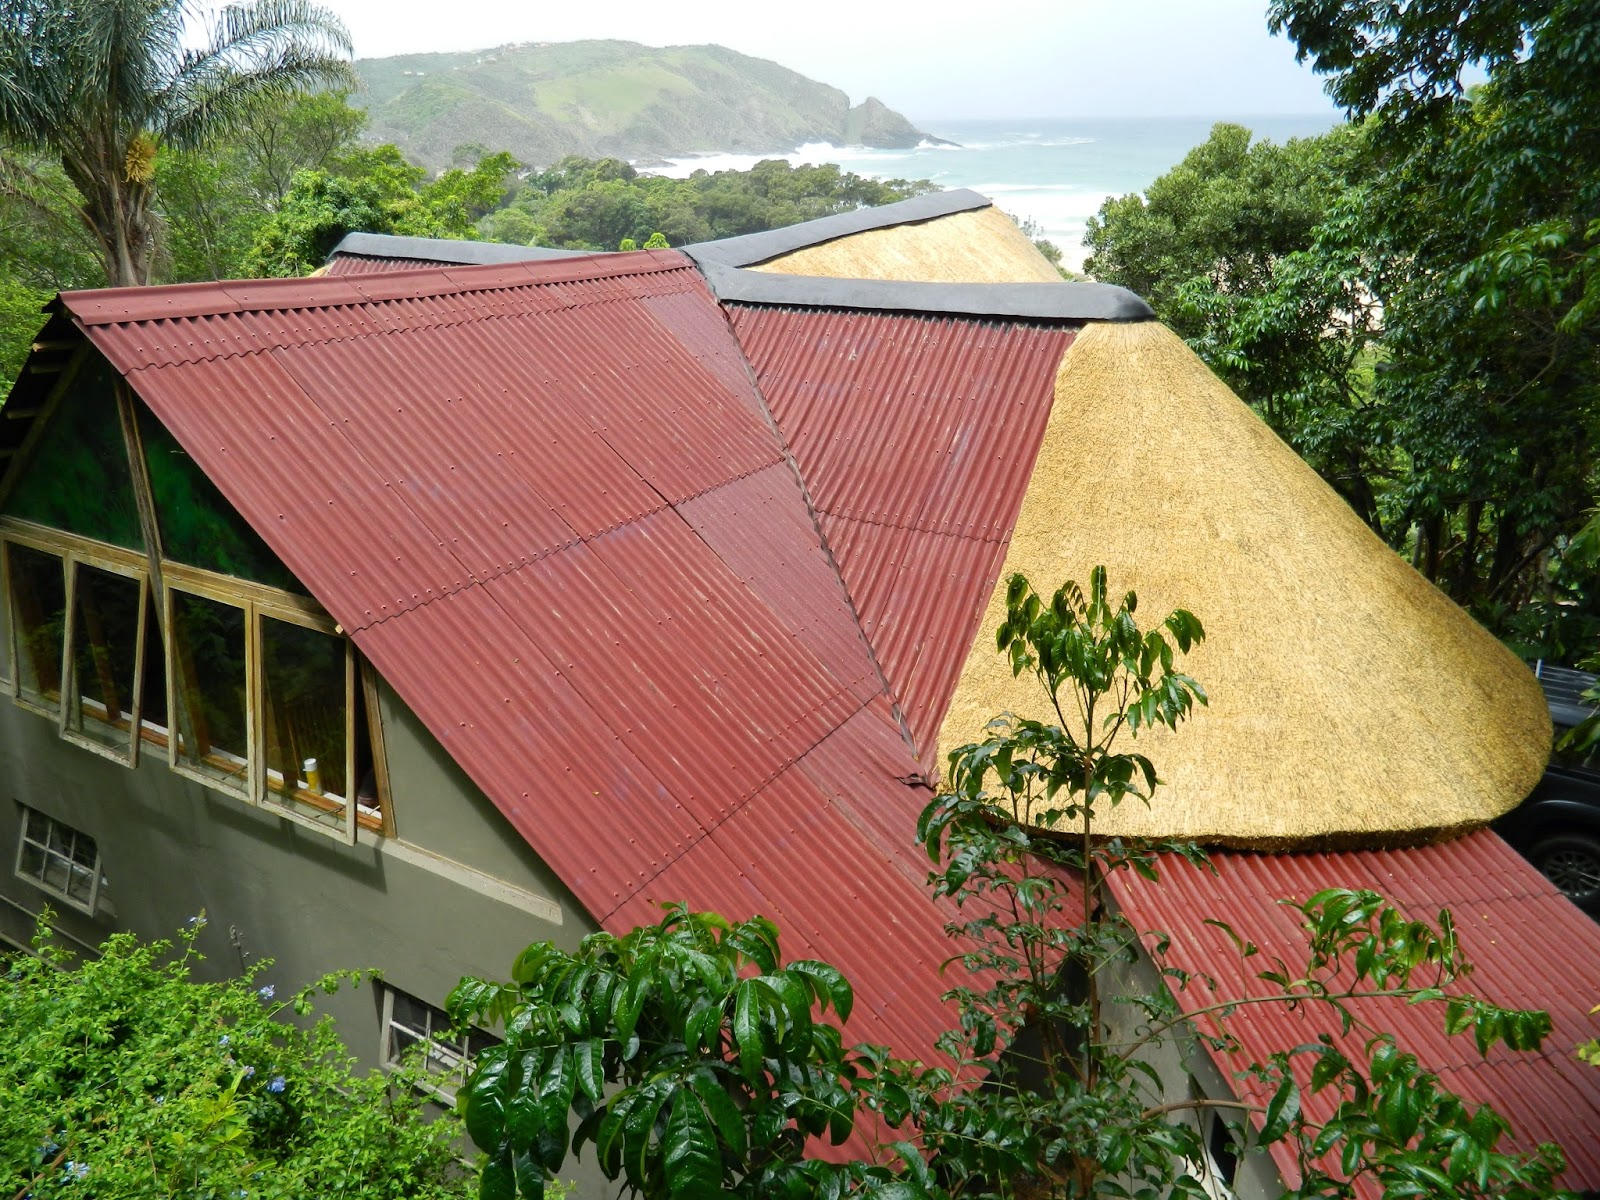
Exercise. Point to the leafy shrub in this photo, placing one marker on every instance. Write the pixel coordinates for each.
(127, 1076)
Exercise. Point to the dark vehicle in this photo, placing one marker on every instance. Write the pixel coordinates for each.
(1557, 828)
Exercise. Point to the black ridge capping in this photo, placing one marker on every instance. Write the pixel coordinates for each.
(445, 250)
(1040, 301)
(759, 247)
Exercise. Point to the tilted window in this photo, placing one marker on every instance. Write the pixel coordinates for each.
(60, 860)
(413, 1029)
(37, 583)
(105, 658)
(209, 676)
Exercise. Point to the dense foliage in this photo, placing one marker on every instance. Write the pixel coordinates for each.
(126, 1075)
(593, 204)
(1414, 302)
(697, 1062)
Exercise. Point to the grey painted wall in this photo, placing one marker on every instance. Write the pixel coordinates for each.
(456, 892)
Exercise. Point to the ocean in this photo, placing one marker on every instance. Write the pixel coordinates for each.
(1056, 172)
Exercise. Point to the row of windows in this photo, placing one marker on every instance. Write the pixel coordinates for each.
(254, 693)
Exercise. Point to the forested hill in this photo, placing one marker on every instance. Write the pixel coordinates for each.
(543, 101)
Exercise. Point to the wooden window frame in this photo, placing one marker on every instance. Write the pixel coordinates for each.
(176, 710)
(20, 533)
(92, 906)
(322, 624)
(69, 682)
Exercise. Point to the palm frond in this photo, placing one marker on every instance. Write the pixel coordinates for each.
(266, 50)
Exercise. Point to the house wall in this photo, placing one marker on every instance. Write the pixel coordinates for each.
(457, 890)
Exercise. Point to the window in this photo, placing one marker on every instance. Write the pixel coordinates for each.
(414, 1031)
(208, 676)
(58, 859)
(37, 586)
(105, 659)
(308, 702)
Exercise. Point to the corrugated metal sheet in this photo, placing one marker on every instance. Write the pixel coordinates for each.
(1531, 949)
(361, 264)
(916, 436)
(558, 519)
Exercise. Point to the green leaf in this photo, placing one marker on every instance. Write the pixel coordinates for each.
(589, 1058)
(747, 1035)
(499, 1178)
(1282, 1109)
(830, 984)
(692, 1163)
(724, 1114)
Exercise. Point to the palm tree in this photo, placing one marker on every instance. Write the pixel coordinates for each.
(101, 85)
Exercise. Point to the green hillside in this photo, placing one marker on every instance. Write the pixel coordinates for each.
(542, 101)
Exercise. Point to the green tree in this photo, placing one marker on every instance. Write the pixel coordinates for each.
(373, 190)
(1483, 219)
(698, 1062)
(1252, 253)
(102, 85)
(125, 1075)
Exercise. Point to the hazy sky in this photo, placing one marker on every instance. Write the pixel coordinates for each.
(927, 58)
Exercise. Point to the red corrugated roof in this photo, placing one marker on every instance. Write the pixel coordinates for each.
(548, 504)
(551, 507)
(916, 436)
(361, 264)
(1531, 949)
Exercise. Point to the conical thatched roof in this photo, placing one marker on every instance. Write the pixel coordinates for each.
(980, 245)
(1351, 702)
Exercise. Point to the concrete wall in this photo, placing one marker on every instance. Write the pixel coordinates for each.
(457, 891)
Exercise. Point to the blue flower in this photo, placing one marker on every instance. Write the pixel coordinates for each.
(266, 991)
(277, 1083)
(249, 1071)
(223, 1040)
(75, 1170)
(197, 920)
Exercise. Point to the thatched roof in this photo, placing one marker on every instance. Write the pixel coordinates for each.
(980, 245)
(1351, 702)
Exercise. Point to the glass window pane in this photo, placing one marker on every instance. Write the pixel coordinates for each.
(39, 610)
(303, 695)
(77, 478)
(80, 884)
(32, 864)
(198, 526)
(209, 670)
(105, 642)
(55, 874)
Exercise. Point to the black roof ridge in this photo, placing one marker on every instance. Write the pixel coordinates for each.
(1042, 301)
(454, 251)
(754, 248)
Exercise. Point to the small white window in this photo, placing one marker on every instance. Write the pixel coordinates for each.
(408, 1024)
(60, 860)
